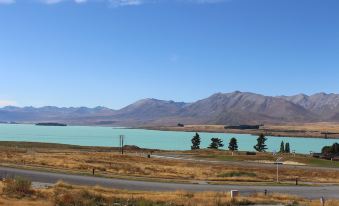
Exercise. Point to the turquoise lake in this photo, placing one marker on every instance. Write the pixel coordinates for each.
(167, 140)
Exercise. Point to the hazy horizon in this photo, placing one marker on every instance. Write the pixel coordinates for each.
(6, 104)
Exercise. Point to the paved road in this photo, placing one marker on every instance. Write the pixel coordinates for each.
(48, 177)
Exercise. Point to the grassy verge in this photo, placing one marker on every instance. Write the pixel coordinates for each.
(17, 192)
(323, 163)
(135, 165)
(306, 160)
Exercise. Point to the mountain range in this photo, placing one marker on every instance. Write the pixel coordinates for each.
(220, 108)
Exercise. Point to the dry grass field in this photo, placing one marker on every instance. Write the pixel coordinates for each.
(13, 193)
(289, 158)
(135, 164)
(288, 130)
(315, 127)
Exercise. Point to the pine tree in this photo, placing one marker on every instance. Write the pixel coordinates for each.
(282, 147)
(233, 145)
(195, 142)
(335, 148)
(216, 143)
(287, 148)
(261, 146)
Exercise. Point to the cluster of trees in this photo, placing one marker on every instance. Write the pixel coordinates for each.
(334, 149)
(261, 146)
(285, 148)
(216, 143)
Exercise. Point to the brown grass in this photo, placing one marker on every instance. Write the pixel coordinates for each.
(17, 186)
(63, 194)
(312, 127)
(112, 164)
(289, 130)
(178, 198)
(5, 201)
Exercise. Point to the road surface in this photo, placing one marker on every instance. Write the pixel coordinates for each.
(49, 177)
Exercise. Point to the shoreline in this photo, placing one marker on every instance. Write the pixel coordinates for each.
(306, 130)
(266, 131)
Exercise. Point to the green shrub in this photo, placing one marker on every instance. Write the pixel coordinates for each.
(17, 186)
(237, 174)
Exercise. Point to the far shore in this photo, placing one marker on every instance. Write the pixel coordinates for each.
(307, 130)
(325, 130)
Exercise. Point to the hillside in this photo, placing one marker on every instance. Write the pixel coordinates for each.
(220, 108)
(325, 105)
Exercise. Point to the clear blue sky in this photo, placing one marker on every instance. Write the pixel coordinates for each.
(112, 53)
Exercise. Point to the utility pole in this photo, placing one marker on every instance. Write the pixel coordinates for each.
(277, 162)
(277, 172)
(122, 143)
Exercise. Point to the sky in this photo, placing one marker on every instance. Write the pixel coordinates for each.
(114, 52)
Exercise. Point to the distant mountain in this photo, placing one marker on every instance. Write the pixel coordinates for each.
(151, 109)
(244, 107)
(220, 108)
(322, 104)
(148, 112)
(51, 113)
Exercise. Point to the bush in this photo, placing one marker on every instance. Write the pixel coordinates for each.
(238, 174)
(18, 187)
(78, 198)
(64, 197)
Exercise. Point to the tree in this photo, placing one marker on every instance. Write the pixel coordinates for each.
(326, 150)
(216, 143)
(287, 148)
(261, 146)
(233, 145)
(334, 149)
(282, 147)
(195, 142)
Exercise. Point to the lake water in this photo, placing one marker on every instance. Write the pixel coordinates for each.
(167, 140)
